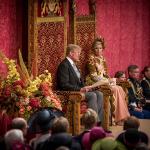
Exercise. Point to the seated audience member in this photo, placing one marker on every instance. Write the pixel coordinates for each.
(89, 138)
(135, 96)
(146, 86)
(57, 140)
(120, 76)
(131, 137)
(2, 143)
(88, 120)
(59, 137)
(42, 123)
(108, 143)
(5, 122)
(20, 123)
(69, 78)
(146, 83)
(131, 122)
(141, 146)
(98, 75)
(62, 148)
(13, 139)
(60, 125)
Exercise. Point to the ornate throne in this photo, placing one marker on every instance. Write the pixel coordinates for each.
(47, 40)
(47, 44)
(82, 30)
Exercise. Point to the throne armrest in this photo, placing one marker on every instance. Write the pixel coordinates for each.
(73, 96)
(106, 89)
(124, 84)
(71, 101)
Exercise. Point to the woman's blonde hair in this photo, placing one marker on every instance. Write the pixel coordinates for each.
(89, 118)
(97, 41)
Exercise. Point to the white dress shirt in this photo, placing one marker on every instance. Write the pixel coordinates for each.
(74, 67)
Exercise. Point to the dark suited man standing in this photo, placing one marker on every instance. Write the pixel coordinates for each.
(69, 79)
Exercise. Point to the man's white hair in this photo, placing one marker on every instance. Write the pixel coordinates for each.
(72, 47)
(14, 135)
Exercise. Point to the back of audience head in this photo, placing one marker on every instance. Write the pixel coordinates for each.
(20, 123)
(2, 143)
(141, 146)
(133, 71)
(13, 136)
(120, 75)
(97, 133)
(131, 122)
(89, 118)
(146, 71)
(60, 125)
(132, 137)
(41, 121)
(90, 137)
(62, 148)
(108, 144)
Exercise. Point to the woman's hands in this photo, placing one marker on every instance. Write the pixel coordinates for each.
(86, 89)
(112, 81)
(139, 109)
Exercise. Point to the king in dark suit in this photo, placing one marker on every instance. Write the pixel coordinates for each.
(69, 79)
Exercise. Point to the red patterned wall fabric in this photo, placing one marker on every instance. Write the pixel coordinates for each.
(85, 33)
(82, 7)
(125, 25)
(10, 29)
(50, 47)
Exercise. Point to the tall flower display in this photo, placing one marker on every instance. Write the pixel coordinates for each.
(22, 96)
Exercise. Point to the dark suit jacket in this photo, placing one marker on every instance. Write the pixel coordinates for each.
(67, 78)
(131, 96)
(146, 88)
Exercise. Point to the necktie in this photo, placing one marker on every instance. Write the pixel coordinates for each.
(76, 70)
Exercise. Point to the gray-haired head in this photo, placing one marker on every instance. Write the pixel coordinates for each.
(72, 47)
(19, 123)
(14, 135)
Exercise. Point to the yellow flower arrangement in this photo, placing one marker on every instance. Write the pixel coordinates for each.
(34, 84)
(13, 75)
(26, 96)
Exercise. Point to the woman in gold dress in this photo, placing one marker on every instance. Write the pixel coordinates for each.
(97, 75)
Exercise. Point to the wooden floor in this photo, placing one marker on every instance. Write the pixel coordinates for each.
(144, 126)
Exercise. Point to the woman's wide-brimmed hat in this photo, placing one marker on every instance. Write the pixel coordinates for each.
(41, 120)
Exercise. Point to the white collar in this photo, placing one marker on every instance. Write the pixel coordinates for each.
(70, 60)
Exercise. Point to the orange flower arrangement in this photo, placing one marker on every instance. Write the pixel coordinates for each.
(24, 96)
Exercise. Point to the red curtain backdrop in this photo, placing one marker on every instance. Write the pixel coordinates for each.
(125, 25)
(10, 29)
